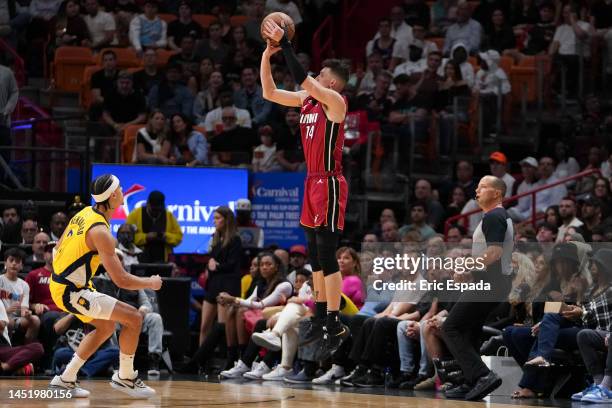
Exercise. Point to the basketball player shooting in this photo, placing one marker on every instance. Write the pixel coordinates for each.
(323, 110)
(85, 244)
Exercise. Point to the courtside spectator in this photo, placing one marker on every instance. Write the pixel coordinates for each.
(16, 359)
(125, 243)
(41, 303)
(15, 295)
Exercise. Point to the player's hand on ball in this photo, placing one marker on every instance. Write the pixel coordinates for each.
(271, 49)
(273, 31)
(155, 282)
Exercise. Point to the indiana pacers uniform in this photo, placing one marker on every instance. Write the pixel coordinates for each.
(325, 188)
(74, 265)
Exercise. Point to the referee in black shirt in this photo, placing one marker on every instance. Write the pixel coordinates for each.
(493, 241)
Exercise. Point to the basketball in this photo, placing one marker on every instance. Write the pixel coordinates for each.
(278, 18)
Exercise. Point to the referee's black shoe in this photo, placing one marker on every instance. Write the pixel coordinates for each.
(458, 391)
(314, 331)
(484, 386)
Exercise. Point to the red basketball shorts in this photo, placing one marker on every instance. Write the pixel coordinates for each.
(324, 201)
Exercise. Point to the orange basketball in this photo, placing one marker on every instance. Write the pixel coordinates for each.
(278, 18)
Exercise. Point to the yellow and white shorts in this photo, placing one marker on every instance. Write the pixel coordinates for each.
(87, 304)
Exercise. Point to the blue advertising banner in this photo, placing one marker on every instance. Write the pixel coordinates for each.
(192, 194)
(277, 204)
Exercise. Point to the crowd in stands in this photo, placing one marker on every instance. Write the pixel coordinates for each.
(204, 106)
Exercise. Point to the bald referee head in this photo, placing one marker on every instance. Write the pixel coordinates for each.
(490, 192)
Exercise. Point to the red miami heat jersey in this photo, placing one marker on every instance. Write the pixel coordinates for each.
(325, 189)
(322, 139)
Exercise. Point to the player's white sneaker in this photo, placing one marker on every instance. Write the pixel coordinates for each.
(278, 374)
(260, 369)
(134, 387)
(75, 390)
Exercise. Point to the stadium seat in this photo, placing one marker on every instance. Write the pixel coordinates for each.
(204, 19)
(163, 56)
(238, 20)
(128, 144)
(506, 64)
(126, 57)
(521, 77)
(168, 18)
(68, 67)
(85, 96)
(439, 41)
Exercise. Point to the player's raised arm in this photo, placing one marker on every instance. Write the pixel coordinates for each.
(270, 92)
(105, 245)
(333, 101)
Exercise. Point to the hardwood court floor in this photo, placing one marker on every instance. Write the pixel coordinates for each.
(178, 394)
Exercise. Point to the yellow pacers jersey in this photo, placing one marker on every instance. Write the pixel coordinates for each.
(74, 264)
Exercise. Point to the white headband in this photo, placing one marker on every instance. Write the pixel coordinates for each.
(99, 198)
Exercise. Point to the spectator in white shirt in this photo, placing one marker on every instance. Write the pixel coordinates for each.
(570, 42)
(550, 196)
(400, 30)
(567, 211)
(101, 25)
(416, 61)
(459, 54)
(498, 163)
(15, 295)
(490, 78)
(566, 166)
(148, 30)
(264, 155)
(418, 37)
(522, 210)
(362, 80)
(213, 122)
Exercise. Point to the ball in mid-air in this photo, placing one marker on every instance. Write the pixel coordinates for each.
(279, 18)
